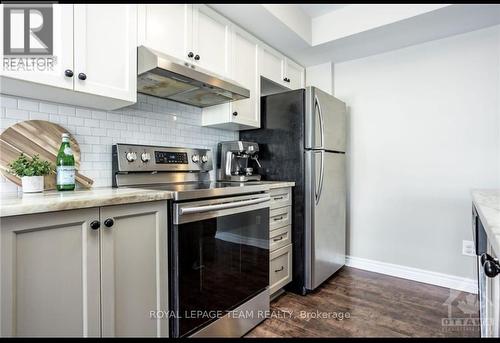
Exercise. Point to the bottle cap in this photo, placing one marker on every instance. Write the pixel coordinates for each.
(65, 135)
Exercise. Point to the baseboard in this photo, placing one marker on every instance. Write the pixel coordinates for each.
(415, 274)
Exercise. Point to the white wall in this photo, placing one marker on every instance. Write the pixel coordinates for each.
(356, 18)
(293, 17)
(151, 121)
(424, 131)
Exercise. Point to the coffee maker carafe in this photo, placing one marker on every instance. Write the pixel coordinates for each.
(238, 161)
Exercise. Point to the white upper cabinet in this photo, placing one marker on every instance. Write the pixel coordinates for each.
(281, 70)
(193, 33)
(106, 50)
(62, 52)
(245, 71)
(294, 75)
(94, 54)
(166, 28)
(211, 40)
(272, 65)
(240, 114)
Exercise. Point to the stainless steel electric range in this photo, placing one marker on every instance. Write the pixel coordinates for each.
(218, 239)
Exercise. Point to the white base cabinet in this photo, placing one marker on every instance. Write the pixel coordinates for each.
(95, 59)
(280, 232)
(61, 277)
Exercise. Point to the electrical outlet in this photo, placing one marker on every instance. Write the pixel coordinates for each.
(468, 248)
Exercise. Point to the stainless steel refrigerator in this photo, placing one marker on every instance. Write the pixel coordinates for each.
(302, 139)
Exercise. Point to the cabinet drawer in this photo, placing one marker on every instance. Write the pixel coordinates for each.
(279, 217)
(280, 238)
(280, 197)
(280, 272)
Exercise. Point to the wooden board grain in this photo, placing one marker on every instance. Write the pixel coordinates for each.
(37, 137)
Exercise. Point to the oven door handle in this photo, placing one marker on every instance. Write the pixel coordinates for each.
(208, 208)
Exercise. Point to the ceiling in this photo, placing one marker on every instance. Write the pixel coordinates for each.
(358, 30)
(315, 10)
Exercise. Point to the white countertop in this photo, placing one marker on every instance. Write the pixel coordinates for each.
(14, 204)
(487, 203)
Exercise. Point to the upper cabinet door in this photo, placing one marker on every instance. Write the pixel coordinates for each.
(211, 40)
(166, 28)
(245, 72)
(294, 74)
(106, 50)
(272, 65)
(62, 55)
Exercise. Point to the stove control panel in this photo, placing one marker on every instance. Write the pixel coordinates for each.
(137, 158)
(168, 157)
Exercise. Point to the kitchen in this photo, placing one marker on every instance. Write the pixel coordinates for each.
(327, 170)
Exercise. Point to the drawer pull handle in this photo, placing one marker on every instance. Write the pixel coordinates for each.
(278, 270)
(278, 218)
(278, 198)
(278, 239)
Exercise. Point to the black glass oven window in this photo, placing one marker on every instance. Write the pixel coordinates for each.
(220, 263)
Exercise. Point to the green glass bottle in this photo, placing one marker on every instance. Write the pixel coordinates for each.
(65, 166)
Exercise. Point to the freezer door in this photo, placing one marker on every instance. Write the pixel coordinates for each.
(325, 215)
(325, 121)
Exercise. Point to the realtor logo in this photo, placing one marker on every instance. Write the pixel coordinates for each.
(28, 37)
(28, 29)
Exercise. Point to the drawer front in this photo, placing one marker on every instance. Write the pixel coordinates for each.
(279, 217)
(280, 272)
(280, 238)
(280, 197)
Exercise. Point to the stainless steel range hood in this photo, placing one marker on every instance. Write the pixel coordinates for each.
(167, 77)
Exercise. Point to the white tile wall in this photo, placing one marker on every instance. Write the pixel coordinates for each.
(150, 121)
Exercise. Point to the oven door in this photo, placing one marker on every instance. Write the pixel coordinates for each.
(219, 258)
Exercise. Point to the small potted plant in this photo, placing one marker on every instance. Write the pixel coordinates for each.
(31, 171)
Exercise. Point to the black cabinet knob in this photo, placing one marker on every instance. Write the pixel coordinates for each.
(491, 268)
(109, 222)
(197, 57)
(82, 76)
(235, 113)
(95, 224)
(190, 55)
(68, 73)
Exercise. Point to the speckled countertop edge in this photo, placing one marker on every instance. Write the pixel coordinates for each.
(487, 203)
(14, 204)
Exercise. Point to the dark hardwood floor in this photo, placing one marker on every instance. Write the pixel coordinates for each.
(378, 305)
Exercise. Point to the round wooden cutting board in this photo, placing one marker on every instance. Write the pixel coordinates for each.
(34, 137)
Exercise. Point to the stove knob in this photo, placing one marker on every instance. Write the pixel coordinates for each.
(131, 156)
(145, 157)
(204, 158)
(195, 158)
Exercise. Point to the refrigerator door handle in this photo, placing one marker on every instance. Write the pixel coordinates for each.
(317, 194)
(321, 123)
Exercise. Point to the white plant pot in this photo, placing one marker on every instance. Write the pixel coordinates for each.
(32, 184)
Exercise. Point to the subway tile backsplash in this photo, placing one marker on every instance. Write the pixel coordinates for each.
(150, 121)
